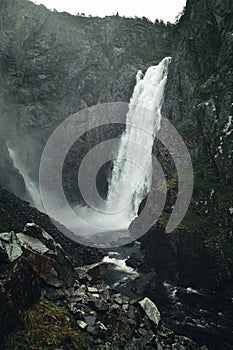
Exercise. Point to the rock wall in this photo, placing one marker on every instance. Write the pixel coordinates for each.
(198, 101)
(198, 93)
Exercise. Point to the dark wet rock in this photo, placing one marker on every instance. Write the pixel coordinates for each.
(136, 260)
(90, 320)
(145, 284)
(198, 101)
(182, 257)
(100, 305)
(95, 271)
(202, 95)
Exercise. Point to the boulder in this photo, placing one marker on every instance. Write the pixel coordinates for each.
(96, 271)
(10, 247)
(43, 254)
(33, 230)
(151, 310)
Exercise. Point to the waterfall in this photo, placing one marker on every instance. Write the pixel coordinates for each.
(132, 170)
(131, 175)
(31, 188)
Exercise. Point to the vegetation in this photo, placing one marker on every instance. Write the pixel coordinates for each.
(189, 131)
(45, 326)
(208, 214)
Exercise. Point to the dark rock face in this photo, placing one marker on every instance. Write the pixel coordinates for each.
(198, 101)
(198, 92)
(181, 257)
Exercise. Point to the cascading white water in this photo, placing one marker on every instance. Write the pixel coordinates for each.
(31, 188)
(132, 170)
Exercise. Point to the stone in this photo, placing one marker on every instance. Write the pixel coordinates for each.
(150, 310)
(114, 307)
(36, 231)
(119, 301)
(95, 271)
(91, 330)
(100, 305)
(102, 327)
(96, 296)
(131, 313)
(92, 290)
(52, 266)
(82, 324)
(90, 320)
(10, 247)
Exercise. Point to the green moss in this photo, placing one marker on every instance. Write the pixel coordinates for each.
(208, 214)
(45, 326)
(195, 222)
(189, 131)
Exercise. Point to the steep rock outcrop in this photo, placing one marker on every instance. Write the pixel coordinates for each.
(198, 92)
(198, 101)
(182, 258)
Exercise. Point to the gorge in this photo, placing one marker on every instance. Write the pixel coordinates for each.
(54, 65)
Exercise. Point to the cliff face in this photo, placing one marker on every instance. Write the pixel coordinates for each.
(54, 64)
(199, 91)
(198, 101)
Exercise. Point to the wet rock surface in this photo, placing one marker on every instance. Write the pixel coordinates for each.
(182, 257)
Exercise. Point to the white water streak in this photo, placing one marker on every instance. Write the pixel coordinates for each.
(132, 170)
(30, 186)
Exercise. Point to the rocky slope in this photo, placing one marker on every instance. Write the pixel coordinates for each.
(87, 313)
(16, 213)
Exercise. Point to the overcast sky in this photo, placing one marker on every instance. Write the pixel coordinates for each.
(166, 10)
